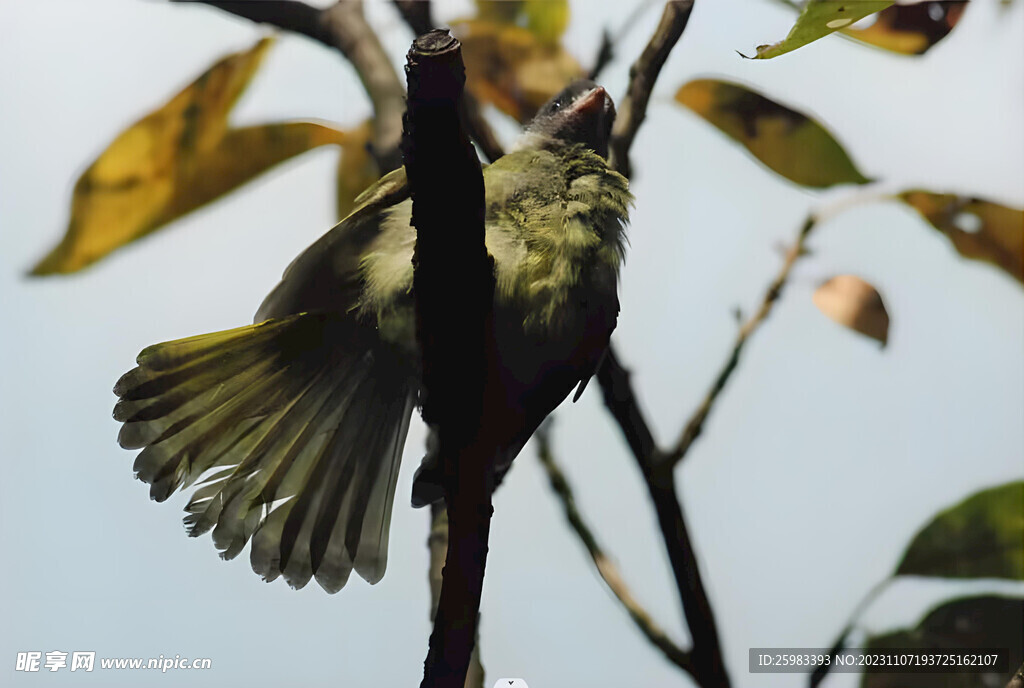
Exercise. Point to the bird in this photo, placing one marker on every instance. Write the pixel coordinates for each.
(291, 429)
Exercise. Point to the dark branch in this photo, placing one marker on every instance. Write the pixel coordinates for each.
(621, 400)
(642, 76)
(343, 27)
(453, 284)
(437, 544)
(417, 16)
(605, 568)
(706, 662)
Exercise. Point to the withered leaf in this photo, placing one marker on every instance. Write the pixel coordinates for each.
(173, 161)
(979, 229)
(911, 29)
(853, 303)
(786, 141)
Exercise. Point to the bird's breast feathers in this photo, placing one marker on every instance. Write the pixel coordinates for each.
(555, 226)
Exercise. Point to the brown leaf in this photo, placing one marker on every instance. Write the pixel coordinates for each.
(786, 141)
(510, 67)
(979, 229)
(853, 303)
(357, 169)
(911, 29)
(174, 160)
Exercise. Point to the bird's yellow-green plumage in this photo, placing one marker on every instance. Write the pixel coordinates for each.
(292, 429)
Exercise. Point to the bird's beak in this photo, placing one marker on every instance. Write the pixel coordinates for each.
(592, 103)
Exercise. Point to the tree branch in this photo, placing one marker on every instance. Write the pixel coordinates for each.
(417, 16)
(453, 286)
(343, 27)
(657, 466)
(642, 76)
(437, 543)
(708, 667)
(606, 50)
(695, 425)
(605, 568)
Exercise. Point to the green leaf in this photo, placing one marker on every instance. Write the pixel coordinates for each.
(786, 141)
(979, 229)
(974, 622)
(818, 19)
(174, 160)
(981, 537)
(911, 29)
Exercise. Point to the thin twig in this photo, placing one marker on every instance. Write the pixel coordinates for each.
(819, 674)
(695, 425)
(341, 26)
(607, 570)
(642, 76)
(606, 51)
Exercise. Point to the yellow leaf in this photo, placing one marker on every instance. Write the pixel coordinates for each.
(357, 169)
(174, 160)
(510, 67)
(979, 229)
(786, 141)
(853, 303)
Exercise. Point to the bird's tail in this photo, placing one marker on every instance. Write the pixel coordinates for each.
(294, 427)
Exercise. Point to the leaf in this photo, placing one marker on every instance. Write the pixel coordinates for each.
(853, 303)
(911, 29)
(819, 18)
(173, 161)
(979, 229)
(984, 622)
(546, 19)
(981, 537)
(510, 67)
(357, 169)
(787, 142)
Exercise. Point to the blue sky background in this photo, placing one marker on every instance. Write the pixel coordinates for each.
(821, 460)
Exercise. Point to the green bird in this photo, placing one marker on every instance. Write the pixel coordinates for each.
(294, 427)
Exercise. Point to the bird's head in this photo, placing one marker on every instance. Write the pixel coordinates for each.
(582, 112)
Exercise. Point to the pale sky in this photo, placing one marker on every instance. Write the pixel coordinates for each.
(822, 459)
